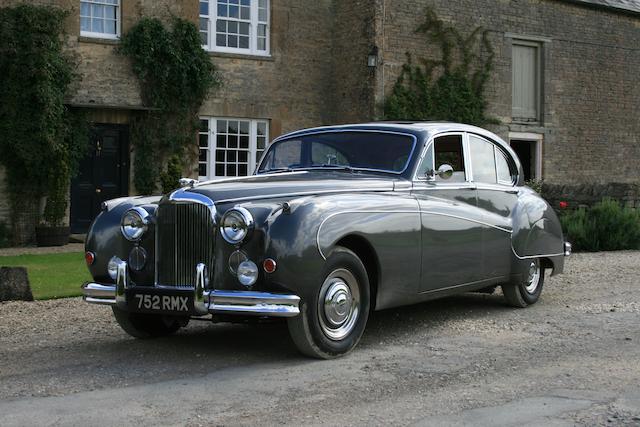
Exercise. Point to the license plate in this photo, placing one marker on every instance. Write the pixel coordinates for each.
(160, 303)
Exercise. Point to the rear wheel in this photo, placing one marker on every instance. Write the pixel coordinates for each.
(527, 291)
(331, 323)
(142, 325)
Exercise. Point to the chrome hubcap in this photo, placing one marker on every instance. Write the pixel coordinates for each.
(533, 277)
(338, 305)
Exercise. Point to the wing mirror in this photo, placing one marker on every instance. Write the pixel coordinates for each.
(445, 171)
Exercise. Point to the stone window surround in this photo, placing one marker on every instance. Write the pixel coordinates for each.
(534, 138)
(252, 51)
(254, 153)
(103, 35)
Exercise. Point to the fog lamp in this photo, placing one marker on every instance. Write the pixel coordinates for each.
(247, 273)
(236, 225)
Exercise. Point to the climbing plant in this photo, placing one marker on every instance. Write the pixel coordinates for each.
(450, 87)
(175, 75)
(41, 138)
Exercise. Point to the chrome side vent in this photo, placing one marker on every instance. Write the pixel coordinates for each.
(185, 238)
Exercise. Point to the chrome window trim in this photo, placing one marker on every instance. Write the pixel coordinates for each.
(430, 142)
(288, 136)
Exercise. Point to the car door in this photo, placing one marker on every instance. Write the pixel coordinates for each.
(451, 220)
(494, 175)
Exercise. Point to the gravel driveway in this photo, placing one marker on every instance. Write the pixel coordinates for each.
(571, 359)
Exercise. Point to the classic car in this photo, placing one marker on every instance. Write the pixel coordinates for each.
(335, 222)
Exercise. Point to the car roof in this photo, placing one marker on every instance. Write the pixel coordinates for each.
(417, 128)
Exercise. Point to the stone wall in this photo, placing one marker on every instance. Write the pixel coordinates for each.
(591, 60)
(590, 194)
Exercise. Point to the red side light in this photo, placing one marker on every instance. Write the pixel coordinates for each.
(89, 257)
(269, 265)
(564, 205)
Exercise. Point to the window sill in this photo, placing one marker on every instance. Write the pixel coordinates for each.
(98, 40)
(267, 58)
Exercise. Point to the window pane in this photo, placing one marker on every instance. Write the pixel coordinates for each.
(233, 141)
(245, 13)
(204, 125)
(448, 150)
(233, 27)
(219, 169)
(525, 90)
(242, 170)
(204, 38)
(243, 42)
(221, 141)
(231, 170)
(262, 45)
(232, 41)
(260, 143)
(221, 26)
(243, 156)
(110, 12)
(204, 8)
(96, 26)
(222, 10)
(203, 155)
(262, 128)
(262, 15)
(231, 156)
(233, 12)
(482, 160)
(502, 166)
(233, 126)
(84, 9)
(245, 2)
(202, 169)
(110, 26)
(219, 156)
(244, 28)
(85, 24)
(244, 127)
(262, 30)
(203, 140)
(98, 11)
(244, 142)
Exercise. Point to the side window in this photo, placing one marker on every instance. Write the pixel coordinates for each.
(503, 169)
(448, 150)
(483, 160)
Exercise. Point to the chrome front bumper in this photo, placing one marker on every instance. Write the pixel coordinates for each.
(205, 301)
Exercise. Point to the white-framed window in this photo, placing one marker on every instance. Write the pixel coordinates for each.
(526, 81)
(230, 146)
(100, 18)
(235, 26)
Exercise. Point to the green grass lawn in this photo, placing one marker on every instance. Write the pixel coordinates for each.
(52, 275)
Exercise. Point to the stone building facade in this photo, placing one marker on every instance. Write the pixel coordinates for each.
(288, 64)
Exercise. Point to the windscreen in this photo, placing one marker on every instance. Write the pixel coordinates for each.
(357, 150)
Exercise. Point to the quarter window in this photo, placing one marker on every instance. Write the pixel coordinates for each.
(100, 18)
(236, 26)
(230, 147)
(483, 160)
(490, 164)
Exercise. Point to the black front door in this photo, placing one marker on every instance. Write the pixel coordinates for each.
(103, 174)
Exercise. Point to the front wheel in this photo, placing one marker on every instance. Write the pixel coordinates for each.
(528, 290)
(141, 325)
(331, 323)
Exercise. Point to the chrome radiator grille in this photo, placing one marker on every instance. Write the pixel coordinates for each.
(185, 237)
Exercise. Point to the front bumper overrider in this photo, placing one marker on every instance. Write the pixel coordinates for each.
(206, 301)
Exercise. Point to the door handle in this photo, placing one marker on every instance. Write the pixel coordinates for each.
(98, 190)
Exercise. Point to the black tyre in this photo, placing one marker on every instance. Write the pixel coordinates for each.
(142, 325)
(528, 290)
(332, 322)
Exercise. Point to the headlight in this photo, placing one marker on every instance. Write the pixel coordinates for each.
(236, 225)
(134, 224)
(247, 273)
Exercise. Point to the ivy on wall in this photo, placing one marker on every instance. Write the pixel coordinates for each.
(447, 88)
(41, 139)
(175, 75)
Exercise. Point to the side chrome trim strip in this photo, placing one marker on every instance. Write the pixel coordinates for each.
(506, 230)
(534, 256)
